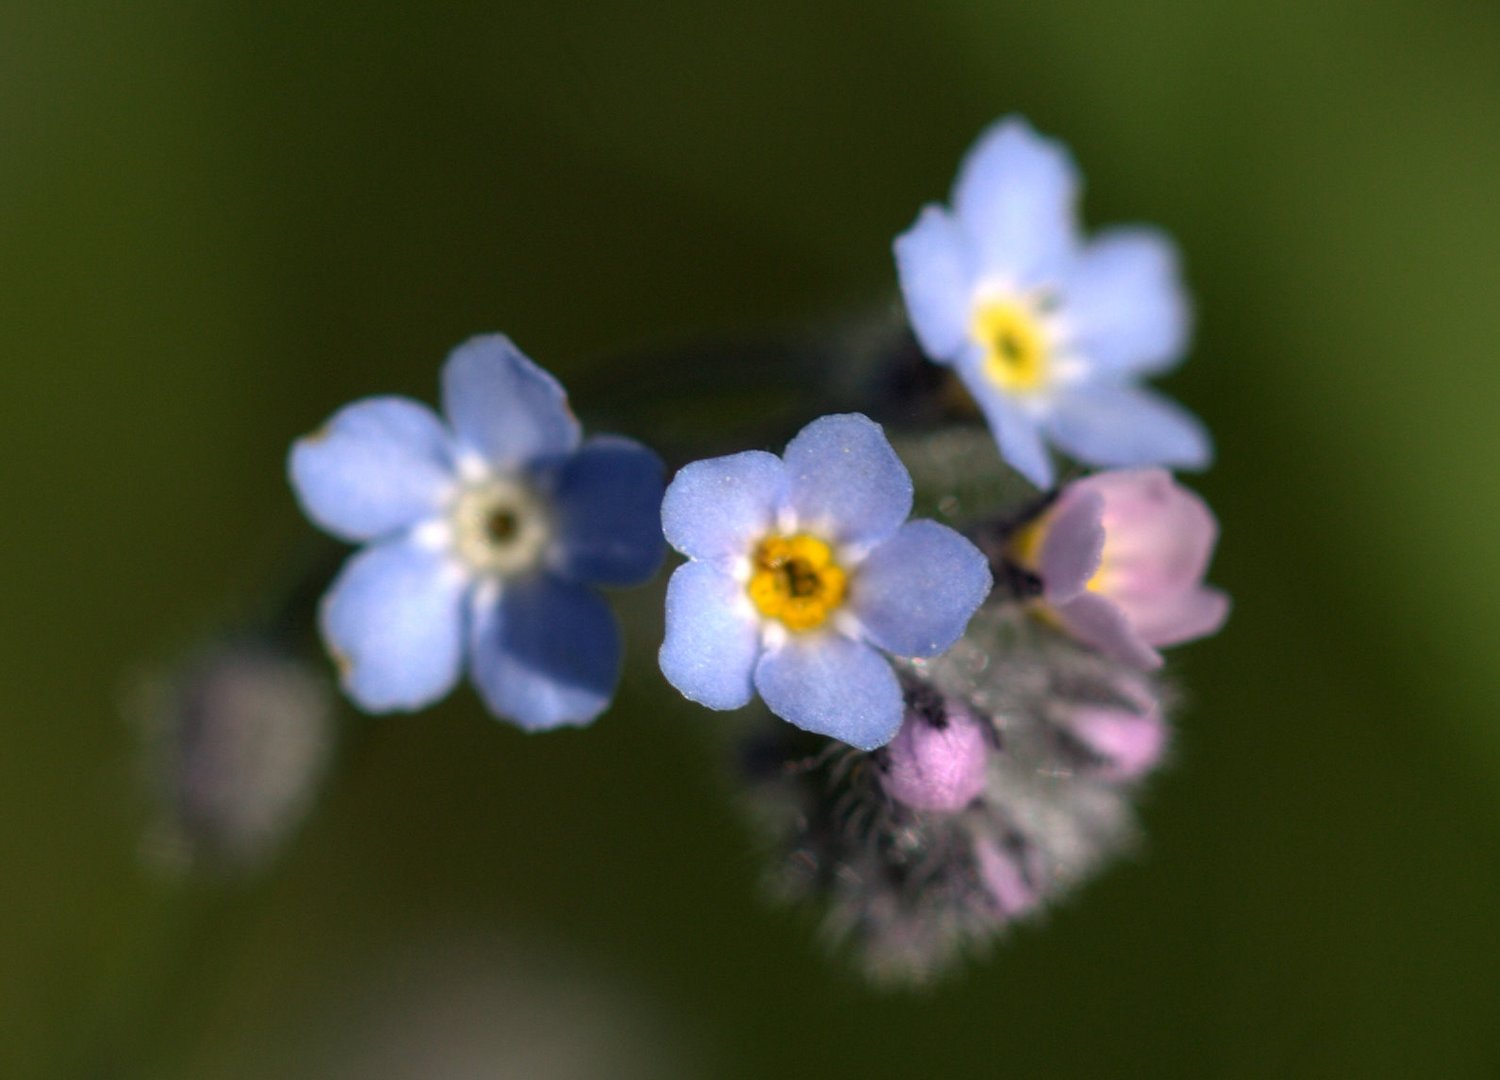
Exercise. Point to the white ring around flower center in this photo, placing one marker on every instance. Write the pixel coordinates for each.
(500, 527)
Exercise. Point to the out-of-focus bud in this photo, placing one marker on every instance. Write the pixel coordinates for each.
(1128, 737)
(240, 736)
(1004, 876)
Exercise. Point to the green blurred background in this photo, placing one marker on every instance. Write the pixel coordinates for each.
(221, 221)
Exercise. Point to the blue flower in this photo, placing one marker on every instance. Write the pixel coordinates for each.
(799, 568)
(483, 538)
(1049, 333)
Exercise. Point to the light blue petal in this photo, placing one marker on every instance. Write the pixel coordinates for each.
(379, 465)
(830, 685)
(845, 482)
(720, 507)
(1124, 303)
(712, 639)
(916, 592)
(1109, 425)
(1016, 197)
(933, 266)
(608, 502)
(547, 655)
(1016, 433)
(394, 621)
(503, 407)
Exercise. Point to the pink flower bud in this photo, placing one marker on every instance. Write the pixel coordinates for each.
(1129, 738)
(932, 766)
(1004, 879)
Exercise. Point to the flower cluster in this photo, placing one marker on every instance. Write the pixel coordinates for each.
(1014, 771)
(1011, 779)
(972, 704)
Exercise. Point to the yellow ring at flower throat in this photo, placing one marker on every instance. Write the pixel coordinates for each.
(1015, 348)
(795, 579)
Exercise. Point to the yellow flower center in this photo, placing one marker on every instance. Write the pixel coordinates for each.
(1015, 347)
(795, 579)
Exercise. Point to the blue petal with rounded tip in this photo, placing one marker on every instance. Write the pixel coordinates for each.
(608, 504)
(915, 593)
(378, 466)
(831, 685)
(503, 407)
(845, 482)
(712, 639)
(394, 621)
(1126, 308)
(720, 507)
(1016, 197)
(933, 266)
(1112, 425)
(546, 655)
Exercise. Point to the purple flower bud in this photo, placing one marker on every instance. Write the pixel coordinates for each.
(938, 766)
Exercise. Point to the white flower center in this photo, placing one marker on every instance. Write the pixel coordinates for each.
(500, 526)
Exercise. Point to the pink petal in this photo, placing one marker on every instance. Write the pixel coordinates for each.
(1098, 621)
(1173, 620)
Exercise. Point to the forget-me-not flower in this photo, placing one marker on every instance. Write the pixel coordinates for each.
(800, 568)
(484, 538)
(1048, 332)
(1122, 556)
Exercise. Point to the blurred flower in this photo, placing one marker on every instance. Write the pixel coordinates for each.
(1122, 556)
(484, 536)
(1047, 332)
(799, 568)
(240, 738)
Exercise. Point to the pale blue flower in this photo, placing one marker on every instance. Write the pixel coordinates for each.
(1049, 332)
(484, 538)
(800, 569)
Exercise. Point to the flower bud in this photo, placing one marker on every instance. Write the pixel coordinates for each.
(1128, 738)
(936, 762)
